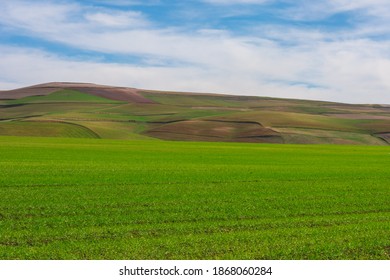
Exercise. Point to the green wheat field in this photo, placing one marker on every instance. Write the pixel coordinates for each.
(150, 199)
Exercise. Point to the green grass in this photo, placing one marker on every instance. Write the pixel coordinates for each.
(190, 100)
(52, 110)
(295, 120)
(115, 130)
(65, 95)
(106, 199)
(314, 136)
(45, 129)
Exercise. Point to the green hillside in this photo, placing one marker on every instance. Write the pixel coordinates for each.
(124, 113)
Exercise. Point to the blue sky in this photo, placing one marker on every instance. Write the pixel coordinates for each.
(335, 50)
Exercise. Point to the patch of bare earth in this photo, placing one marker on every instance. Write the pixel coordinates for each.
(205, 130)
(359, 109)
(119, 94)
(26, 92)
(384, 136)
(113, 93)
(360, 116)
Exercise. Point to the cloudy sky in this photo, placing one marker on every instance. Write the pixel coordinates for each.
(336, 50)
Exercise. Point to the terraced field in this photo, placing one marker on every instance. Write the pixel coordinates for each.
(46, 128)
(128, 113)
(110, 199)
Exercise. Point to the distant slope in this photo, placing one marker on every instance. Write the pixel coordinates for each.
(89, 110)
(114, 93)
(65, 95)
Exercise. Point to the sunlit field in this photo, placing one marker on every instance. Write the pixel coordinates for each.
(112, 199)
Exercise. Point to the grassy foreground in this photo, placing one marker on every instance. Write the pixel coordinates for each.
(107, 199)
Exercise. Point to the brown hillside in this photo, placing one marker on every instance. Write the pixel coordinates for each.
(113, 93)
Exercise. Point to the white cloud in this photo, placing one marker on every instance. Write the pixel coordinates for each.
(234, 2)
(118, 2)
(272, 61)
(56, 20)
(125, 3)
(339, 73)
(118, 20)
(41, 18)
(359, 4)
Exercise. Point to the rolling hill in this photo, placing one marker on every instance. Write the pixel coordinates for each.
(97, 111)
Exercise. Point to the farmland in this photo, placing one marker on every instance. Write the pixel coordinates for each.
(78, 110)
(68, 198)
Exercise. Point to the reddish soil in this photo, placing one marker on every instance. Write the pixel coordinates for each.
(207, 130)
(25, 92)
(120, 94)
(113, 93)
